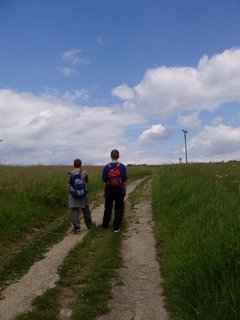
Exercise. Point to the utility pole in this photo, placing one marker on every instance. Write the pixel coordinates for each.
(185, 143)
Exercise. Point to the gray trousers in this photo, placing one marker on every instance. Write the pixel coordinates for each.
(86, 215)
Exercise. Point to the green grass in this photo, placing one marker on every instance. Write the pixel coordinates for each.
(16, 263)
(197, 215)
(198, 229)
(30, 197)
(45, 307)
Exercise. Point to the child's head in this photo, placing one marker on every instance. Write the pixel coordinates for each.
(77, 163)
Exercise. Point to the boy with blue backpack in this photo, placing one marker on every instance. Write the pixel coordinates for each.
(77, 194)
(115, 176)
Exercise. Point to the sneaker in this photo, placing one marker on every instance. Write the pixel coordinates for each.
(77, 231)
(116, 230)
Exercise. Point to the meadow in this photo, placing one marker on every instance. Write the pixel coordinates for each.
(33, 196)
(197, 228)
(197, 214)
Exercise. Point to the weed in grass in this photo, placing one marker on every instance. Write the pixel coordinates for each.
(119, 283)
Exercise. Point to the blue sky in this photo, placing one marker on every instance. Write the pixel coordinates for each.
(79, 78)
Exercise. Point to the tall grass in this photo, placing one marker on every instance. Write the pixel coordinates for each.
(30, 197)
(198, 228)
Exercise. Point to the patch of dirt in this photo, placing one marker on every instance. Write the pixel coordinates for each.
(67, 295)
(43, 275)
(140, 297)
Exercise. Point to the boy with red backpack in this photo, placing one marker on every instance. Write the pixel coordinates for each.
(115, 176)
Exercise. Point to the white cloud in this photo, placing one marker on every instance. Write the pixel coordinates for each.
(74, 57)
(66, 71)
(52, 129)
(68, 96)
(46, 129)
(123, 92)
(100, 41)
(71, 59)
(189, 121)
(155, 133)
(170, 91)
(216, 143)
(77, 94)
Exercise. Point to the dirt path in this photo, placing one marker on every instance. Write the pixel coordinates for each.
(140, 296)
(43, 274)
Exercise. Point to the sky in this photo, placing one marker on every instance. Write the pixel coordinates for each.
(79, 78)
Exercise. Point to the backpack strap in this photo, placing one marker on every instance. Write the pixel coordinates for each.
(110, 166)
(79, 173)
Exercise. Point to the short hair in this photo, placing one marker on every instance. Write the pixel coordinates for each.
(115, 154)
(77, 163)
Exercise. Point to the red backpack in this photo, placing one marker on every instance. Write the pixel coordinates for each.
(114, 176)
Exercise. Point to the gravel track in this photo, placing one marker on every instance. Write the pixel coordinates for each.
(141, 295)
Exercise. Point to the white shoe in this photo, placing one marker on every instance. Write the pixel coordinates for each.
(117, 230)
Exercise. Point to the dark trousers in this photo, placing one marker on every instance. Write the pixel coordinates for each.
(116, 199)
(87, 217)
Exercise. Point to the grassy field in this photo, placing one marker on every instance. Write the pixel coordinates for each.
(34, 212)
(30, 197)
(197, 214)
(197, 224)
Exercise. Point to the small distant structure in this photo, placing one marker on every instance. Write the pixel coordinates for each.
(180, 160)
(185, 143)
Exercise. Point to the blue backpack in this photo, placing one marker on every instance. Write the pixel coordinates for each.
(78, 187)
